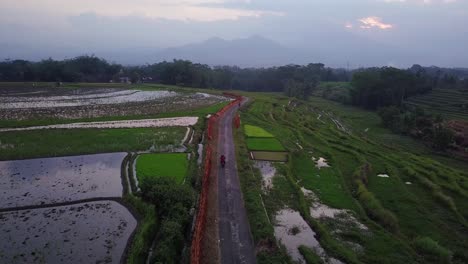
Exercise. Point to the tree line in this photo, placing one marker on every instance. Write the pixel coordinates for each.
(293, 80)
(386, 89)
(379, 87)
(79, 69)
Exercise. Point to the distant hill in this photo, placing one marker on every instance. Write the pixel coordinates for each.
(255, 51)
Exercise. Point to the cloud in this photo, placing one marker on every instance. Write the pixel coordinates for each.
(186, 10)
(421, 1)
(348, 25)
(374, 22)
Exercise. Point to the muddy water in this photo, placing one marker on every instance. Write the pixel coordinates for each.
(62, 179)
(321, 210)
(95, 232)
(321, 163)
(268, 171)
(287, 219)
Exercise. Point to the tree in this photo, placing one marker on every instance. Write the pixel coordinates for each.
(391, 117)
(443, 137)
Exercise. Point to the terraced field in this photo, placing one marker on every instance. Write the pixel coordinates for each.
(371, 196)
(450, 103)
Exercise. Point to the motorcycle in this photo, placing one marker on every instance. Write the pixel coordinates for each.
(223, 161)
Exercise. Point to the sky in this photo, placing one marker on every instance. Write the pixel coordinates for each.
(337, 32)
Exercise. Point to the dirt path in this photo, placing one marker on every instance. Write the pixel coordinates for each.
(236, 245)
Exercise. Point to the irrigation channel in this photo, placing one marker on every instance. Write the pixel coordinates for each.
(64, 210)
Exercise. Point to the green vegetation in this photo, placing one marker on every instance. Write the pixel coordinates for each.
(334, 91)
(262, 231)
(265, 144)
(144, 235)
(424, 196)
(172, 202)
(379, 87)
(63, 142)
(172, 165)
(294, 78)
(432, 250)
(450, 103)
(310, 256)
(254, 131)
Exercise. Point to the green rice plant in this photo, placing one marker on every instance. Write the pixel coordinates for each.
(65, 142)
(264, 144)
(255, 131)
(173, 165)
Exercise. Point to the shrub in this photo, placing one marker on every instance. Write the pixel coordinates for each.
(432, 250)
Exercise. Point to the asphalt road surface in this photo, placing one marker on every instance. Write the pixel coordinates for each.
(236, 245)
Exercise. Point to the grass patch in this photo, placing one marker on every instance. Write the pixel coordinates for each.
(255, 131)
(173, 165)
(265, 144)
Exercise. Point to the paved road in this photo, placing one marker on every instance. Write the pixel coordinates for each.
(236, 245)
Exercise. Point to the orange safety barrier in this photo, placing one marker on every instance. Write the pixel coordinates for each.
(200, 223)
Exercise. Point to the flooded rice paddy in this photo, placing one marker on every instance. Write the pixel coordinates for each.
(44, 220)
(267, 171)
(293, 231)
(286, 220)
(94, 232)
(62, 179)
(71, 103)
(105, 97)
(141, 123)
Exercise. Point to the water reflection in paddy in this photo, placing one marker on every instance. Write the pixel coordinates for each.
(61, 179)
(94, 232)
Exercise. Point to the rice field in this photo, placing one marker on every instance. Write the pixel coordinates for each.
(172, 165)
(140, 123)
(416, 213)
(58, 207)
(94, 232)
(58, 180)
(20, 104)
(255, 131)
(65, 142)
(450, 103)
(264, 144)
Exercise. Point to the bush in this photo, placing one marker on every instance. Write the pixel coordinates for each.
(173, 202)
(432, 250)
(145, 233)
